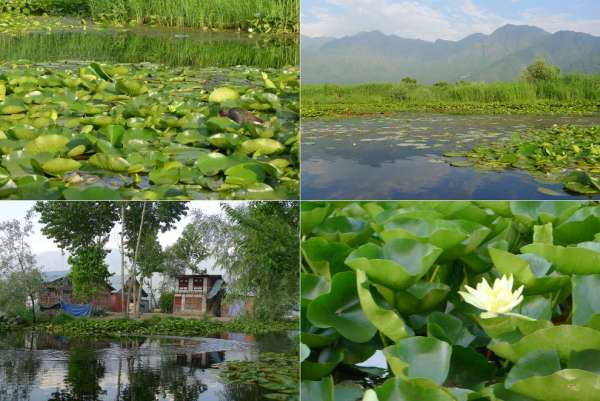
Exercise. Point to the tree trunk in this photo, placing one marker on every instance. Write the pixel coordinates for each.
(32, 306)
(135, 258)
(124, 309)
(139, 297)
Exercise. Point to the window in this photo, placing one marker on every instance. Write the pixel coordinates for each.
(197, 283)
(183, 283)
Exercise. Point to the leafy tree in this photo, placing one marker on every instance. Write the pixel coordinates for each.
(166, 301)
(409, 81)
(540, 70)
(17, 263)
(74, 225)
(89, 272)
(257, 245)
(188, 251)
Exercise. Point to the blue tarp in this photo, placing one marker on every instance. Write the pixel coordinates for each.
(77, 310)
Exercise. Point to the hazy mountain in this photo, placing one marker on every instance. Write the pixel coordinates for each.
(500, 56)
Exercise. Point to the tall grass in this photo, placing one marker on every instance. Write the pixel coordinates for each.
(129, 47)
(567, 89)
(282, 15)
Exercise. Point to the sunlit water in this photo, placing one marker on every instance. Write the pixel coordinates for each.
(400, 157)
(36, 367)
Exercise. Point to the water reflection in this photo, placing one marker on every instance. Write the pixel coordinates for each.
(155, 45)
(36, 367)
(378, 157)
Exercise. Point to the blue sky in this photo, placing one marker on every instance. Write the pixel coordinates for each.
(445, 19)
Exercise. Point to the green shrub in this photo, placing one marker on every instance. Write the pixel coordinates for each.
(62, 318)
(540, 70)
(166, 302)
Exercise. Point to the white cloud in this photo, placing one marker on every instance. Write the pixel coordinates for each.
(415, 19)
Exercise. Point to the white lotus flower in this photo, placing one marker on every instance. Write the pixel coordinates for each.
(370, 395)
(499, 299)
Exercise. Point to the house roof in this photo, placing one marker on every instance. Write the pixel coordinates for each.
(217, 276)
(50, 276)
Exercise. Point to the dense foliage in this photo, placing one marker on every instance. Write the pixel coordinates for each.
(384, 277)
(89, 272)
(265, 16)
(571, 94)
(256, 244)
(166, 326)
(567, 154)
(146, 132)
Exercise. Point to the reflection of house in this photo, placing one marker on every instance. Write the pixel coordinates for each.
(116, 297)
(57, 287)
(198, 294)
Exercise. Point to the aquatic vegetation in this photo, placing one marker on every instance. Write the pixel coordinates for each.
(159, 45)
(572, 94)
(276, 373)
(385, 279)
(147, 132)
(567, 154)
(165, 326)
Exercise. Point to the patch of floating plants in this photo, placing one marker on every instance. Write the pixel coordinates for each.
(143, 131)
(567, 154)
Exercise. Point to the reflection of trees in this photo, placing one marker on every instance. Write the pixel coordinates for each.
(178, 380)
(18, 370)
(240, 392)
(84, 372)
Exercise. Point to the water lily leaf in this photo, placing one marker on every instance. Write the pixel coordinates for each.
(567, 260)
(318, 390)
(212, 163)
(541, 212)
(420, 357)
(386, 320)
(397, 265)
(501, 325)
(60, 166)
(581, 226)
(115, 134)
(245, 174)
(100, 72)
(448, 328)
(226, 140)
(12, 105)
(304, 352)
(543, 234)
(343, 229)
(109, 162)
(325, 362)
(131, 87)
(48, 143)
(565, 339)
(539, 376)
(92, 193)
(312, 286)
(265, 146)
(586, 298)
(423, 296)
(340, 308)
(223, 94)
(221, 124)
(165, 176)
(397, 389)
(469, 368)
(325, 258)
(313, 214)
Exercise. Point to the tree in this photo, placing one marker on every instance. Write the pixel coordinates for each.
(89, 272)
(257, 245)
(17, 263)
(540, 70)
(409, 81)
(188, 251)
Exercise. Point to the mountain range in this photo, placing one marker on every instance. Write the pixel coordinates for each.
(499, 56)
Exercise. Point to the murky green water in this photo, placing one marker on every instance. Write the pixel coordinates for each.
(173, 47)
(400, 157)
(39, 367)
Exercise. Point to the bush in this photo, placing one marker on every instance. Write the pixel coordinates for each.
(62, 318)
(539, 70)
(166, 302)
(409, 81)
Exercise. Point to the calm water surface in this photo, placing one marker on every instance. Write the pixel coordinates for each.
(39, 367)
(400, 157)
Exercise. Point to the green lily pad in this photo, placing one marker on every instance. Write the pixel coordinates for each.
(60, 166)
(420, 357)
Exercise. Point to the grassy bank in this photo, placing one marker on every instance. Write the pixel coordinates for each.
(573, 94)
(281, 16)
(163, 326)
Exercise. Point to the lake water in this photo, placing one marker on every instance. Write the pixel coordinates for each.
(174, 47)
(400, 157)
(41, 367)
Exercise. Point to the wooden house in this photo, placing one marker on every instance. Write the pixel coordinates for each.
(57, 287)
(198, 294)
(116, 297)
